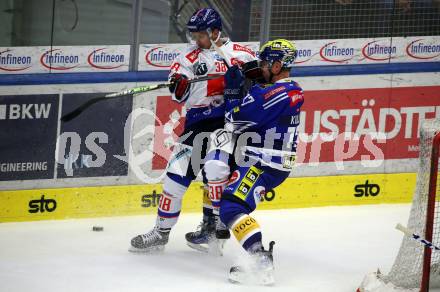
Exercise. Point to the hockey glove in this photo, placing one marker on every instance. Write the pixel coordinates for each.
(252, 71)
(179, 85)
(234, 82)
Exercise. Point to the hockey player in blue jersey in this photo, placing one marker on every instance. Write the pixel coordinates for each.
(271, 112)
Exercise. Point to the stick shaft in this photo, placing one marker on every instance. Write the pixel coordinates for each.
(131, 91)
(416, 237)
(147, 88)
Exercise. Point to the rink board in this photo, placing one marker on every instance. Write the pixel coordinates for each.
(132, 136)
(83, 202)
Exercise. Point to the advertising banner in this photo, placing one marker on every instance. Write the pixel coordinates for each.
(64, 59)
(369, 125)
(28, 133)
(322, 52)
(89, 143)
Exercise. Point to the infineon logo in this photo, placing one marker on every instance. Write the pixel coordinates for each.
(420, 49)
(102, 59)
(55, 60)
(12, 62)
(160, 57)
(334, 53)
(304, 55)
(377, 51)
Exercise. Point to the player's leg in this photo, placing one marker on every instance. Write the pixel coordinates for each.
(216, 172)
(168, 212)
(200, 238)
(181, 171)
(240, 199)
(205, 232)
(219, 162)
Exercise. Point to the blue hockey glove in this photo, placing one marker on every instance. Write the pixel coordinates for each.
(234, 82)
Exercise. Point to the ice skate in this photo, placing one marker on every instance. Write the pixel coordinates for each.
(151, 242)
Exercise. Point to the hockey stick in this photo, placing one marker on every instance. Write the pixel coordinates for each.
(416, 237)
(76, 112)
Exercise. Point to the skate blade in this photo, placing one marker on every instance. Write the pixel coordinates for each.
(198, 247)
(214, 248)
(150, 250)
(261, 279)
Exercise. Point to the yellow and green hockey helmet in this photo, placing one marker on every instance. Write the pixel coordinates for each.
(279, 50)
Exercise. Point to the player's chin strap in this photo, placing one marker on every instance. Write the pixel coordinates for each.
(270, 72)
(210, 37)
(213, 45)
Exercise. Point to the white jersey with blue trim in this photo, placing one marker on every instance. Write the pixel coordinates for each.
(273, 112)
(195, 62)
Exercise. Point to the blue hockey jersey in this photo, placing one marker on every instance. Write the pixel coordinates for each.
(272, 112)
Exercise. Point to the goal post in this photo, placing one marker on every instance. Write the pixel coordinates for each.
(432, 213)
(416, 267)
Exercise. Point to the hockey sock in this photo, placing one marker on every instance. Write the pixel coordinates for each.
(248, 233)
(207, 205)
(215, 194)
(170, 204)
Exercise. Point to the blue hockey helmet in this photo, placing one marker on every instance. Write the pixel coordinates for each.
(204, 19)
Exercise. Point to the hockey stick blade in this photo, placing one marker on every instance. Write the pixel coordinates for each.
(417, 237)
(73, 114)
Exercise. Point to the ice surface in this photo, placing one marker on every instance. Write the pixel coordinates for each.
(327, 249)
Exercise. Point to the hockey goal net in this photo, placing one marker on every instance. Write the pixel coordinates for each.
(416, 267)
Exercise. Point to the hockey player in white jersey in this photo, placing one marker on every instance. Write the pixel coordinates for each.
(210, 55)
